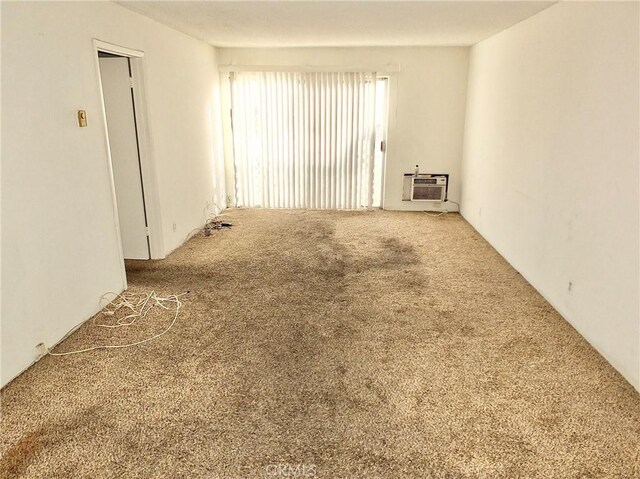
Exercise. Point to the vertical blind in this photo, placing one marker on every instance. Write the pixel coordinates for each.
(304, 140)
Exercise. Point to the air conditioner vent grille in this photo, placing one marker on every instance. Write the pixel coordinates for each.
(434, 193)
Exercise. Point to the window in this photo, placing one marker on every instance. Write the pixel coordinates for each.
(307, 140)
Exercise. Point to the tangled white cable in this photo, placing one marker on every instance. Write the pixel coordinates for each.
(139, 305)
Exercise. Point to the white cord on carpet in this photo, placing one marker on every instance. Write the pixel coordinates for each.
(455, 203)
(435, 215)
(140, 305)
(139, 308)
(444, 212)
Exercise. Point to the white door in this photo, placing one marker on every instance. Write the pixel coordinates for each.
(123, 143)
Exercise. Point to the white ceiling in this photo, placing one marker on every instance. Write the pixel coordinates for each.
(337, 23)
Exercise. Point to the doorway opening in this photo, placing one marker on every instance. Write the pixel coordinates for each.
(120, 110)
(133, 180)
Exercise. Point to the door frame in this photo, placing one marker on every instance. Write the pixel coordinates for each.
(147, 165)
(385, 134)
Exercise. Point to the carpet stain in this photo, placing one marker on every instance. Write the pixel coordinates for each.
(17, 458)
(15, 461)
(364, 344)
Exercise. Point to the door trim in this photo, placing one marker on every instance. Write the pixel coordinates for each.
(385, 136)
(147, 165)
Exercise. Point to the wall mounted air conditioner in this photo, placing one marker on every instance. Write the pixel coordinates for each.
(425, 187)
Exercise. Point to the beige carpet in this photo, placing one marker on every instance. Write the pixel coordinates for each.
(336, 345)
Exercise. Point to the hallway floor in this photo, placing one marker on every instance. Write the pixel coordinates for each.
(340, 344)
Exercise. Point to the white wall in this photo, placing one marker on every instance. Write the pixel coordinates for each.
(550, 170)
(427, 104)
(59, 248)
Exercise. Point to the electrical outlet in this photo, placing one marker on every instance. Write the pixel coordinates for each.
(175, 227)
(41, 350)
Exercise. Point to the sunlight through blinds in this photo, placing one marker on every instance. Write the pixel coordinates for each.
(304, 140)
